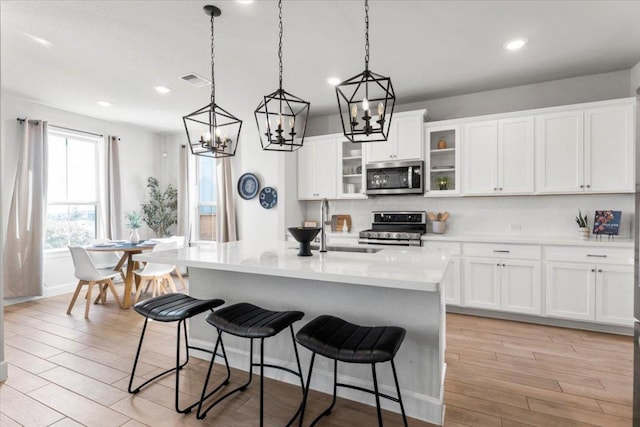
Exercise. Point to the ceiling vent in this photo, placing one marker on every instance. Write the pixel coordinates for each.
(195, 80)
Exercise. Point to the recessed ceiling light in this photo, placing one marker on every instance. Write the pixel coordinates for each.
(162, 89)
(334, 81)
(104, 103)
(245, 1)
(43, 42)
(515, 44)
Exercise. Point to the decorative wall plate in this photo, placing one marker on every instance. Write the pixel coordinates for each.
(268, 197)
(248, 186)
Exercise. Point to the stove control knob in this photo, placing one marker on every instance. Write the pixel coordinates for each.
(403, 236)
(371, 234)
(385, 235)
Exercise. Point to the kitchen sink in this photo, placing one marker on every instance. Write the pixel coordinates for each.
(359, 249)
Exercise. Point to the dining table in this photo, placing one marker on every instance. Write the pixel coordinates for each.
(128, 250)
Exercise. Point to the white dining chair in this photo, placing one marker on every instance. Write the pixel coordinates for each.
(88, 274)
(154, 274)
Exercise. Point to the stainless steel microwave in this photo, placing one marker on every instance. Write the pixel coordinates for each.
(400, 177)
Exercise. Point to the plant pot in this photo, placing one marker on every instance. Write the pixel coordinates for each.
(583, 233)
(134, 237)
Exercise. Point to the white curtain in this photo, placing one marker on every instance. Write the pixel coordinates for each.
(226, 230)
(186, 195)
(111, 200)
(23, 268)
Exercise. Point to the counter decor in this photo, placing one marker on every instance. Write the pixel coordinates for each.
(583, 226)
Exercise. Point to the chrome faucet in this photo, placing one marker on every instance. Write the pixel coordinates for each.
(324, 218)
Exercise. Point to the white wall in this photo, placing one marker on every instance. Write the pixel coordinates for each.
(635, 80)
(140, 157)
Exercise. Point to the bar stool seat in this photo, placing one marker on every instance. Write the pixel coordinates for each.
(340, 340)
(246, 320)
(173, 308)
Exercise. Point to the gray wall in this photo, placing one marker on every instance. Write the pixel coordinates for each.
(635, 79)
(598, 87)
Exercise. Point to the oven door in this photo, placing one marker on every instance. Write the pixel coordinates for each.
(389, 242)
(395, 178)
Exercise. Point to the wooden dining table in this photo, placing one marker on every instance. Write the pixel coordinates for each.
(128, 250)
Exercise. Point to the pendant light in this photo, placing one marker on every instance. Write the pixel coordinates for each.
(212, 131)
(281, 117)
(358, 94)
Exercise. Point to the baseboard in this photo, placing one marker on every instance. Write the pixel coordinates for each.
(419, 406)
(53, 291)
(4, 370)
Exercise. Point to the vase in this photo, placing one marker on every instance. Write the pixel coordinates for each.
(442, 144)
(134, 237)
(583, 233)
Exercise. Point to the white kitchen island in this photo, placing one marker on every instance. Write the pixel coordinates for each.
(396, 286)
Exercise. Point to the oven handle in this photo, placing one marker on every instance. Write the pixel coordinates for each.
(410, 177)
(391, 242)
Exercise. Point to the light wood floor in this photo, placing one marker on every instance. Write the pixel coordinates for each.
(66, 371)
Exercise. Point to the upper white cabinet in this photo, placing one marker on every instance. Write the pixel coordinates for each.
(318, 168)
(351, 160)
(404, 142)
(442, 160)
(587, 150)
(498, 157)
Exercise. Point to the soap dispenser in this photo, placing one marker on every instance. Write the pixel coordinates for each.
(345, 227)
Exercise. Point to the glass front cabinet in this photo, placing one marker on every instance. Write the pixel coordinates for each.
(351, 160)
(442, 161)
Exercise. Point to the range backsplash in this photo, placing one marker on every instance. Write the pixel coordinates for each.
(507, 215)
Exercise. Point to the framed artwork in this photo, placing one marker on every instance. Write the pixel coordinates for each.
(607, 222)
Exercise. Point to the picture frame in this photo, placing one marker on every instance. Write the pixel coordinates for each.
(311, 223)
(607, 222)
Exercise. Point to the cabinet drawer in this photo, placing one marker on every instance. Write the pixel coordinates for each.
(502, 251)
(591, 255)
(454, 247)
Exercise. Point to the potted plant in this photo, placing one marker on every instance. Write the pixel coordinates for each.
(443, 182)
(161, 212)
(133, 222)
(583, 224)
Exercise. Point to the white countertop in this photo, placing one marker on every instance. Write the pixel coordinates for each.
(617, 242)
(420, 268)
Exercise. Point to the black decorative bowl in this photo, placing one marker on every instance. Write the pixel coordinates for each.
(305, 236)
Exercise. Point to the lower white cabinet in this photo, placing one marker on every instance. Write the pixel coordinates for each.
(502, 284)
(593, 292)
(452, 282)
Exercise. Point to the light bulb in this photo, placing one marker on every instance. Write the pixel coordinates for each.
(207, 136)
(354, 111)
(380, 109)
(292, 122)
(365, 104)
(217, 132)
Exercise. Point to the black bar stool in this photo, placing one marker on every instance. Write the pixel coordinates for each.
(173, 308)
(249, 321)
(338, 339)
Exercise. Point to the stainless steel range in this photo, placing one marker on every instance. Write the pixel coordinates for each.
(395, 228)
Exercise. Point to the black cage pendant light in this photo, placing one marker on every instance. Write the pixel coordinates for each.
(281, 117)
(358, 95)
(212, 131)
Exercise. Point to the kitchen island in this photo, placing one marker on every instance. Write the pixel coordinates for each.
(390, 286)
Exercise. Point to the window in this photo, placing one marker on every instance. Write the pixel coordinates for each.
(72, 194)
(207, 196)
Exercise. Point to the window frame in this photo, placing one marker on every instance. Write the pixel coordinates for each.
(198, 203)
(97, 203)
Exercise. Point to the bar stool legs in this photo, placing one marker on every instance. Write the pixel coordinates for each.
(201, 414)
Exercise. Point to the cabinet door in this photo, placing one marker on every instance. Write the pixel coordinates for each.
(480, 158)
(406, 135)
(559, 147)
(382, 151)
(307, 171)
(609, 149)
(515, 155)
(452, 282)
(614, 294)
(482, 283)
(570, 290)
(520, 286)
(326, 163)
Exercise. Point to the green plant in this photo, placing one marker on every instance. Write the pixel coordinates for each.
(582, 220)
(133, 219)
(161, 212)
(443, 182)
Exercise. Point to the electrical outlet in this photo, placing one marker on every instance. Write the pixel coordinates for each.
(515, 227)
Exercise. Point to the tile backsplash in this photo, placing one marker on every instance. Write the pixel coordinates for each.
(549, 215)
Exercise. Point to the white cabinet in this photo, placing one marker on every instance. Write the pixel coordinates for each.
(351, 160)
(614, 294)
(442, 160)
(317, 168)
(587, 150)
(452, 282)
(593, 292)
(501, 284)
(498, 156)
(404, 142)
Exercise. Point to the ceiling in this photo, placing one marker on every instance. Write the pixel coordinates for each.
(118, 50)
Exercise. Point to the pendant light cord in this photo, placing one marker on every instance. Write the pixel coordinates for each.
(366, 43)
(280, 41)
(213, 80)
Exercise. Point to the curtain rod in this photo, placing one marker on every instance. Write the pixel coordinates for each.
(21, 120)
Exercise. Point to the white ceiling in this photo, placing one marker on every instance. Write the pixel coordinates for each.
(118, 50)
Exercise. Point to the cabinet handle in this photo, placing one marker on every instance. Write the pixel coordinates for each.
(582, 186)
(593, 270)
(500, 188)
(498, 265)
(588, 186)
(597, 256)
(600, 270)
(500, 251)
(504, 265)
